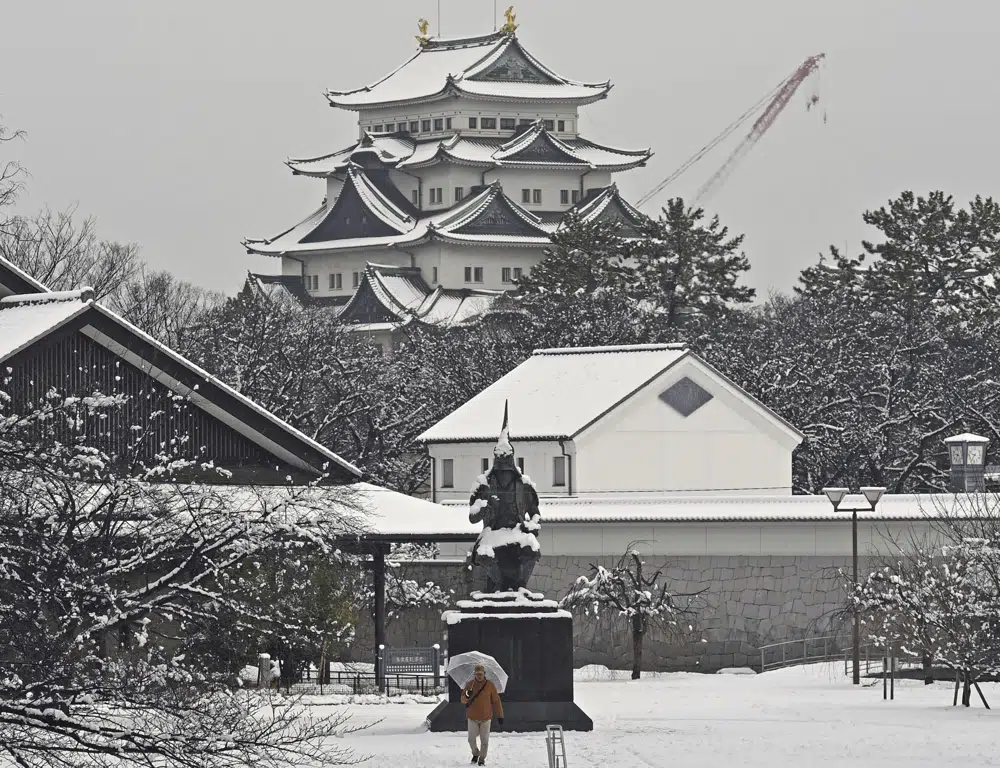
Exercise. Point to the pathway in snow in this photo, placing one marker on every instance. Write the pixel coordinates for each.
(795, 717)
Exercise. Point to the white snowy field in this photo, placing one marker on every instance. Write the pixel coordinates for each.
(801, 716)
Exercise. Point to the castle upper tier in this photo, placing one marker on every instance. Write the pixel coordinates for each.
(468, 157)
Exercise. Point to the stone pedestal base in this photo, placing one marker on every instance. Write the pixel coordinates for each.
(519, 716)
(533, 641)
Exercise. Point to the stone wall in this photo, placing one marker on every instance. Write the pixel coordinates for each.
(744, 602)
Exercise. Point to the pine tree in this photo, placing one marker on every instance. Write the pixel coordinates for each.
(686, 267)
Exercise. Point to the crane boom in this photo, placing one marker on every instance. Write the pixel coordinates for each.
(763, 123)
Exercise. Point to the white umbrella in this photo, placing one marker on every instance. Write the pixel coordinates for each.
(461, 669)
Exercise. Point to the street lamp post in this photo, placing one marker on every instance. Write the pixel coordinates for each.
(836, 497)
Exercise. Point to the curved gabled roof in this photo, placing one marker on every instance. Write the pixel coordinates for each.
(403, 152)
(492, 67)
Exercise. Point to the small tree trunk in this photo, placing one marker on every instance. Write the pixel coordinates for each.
(966, 688)
(928, 661)
(637, 635)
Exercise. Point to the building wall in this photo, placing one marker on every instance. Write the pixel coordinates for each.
(549, 182)
(468, 457)
(460, 110)
(346, 263)
(745, 602)
(451, 261)
(646, 445)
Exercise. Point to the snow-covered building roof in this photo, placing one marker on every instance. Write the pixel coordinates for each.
(389, 296)
(532, 147)
(365, 218)
(493, 67)
(733, 509)
(557, 393)
(29, 319)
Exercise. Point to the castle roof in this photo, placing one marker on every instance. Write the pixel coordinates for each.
(392, 295)
(363, 217)
(532, 148)
(493, 67)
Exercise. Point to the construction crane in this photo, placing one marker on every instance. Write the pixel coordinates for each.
(776, 99)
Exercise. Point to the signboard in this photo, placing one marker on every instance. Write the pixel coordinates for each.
(412, 661)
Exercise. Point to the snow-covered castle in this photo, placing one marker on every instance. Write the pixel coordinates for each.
(468, 158)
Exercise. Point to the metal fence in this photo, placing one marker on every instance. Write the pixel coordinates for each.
(349, 682)
(809, 650)
(812, 650)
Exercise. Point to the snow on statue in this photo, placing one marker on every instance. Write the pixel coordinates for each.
(507, 504)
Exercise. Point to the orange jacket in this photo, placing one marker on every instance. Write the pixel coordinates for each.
(485, 700)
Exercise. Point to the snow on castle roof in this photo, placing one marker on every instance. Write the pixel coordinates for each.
(402, 151)
(493, 66)
(556, 393)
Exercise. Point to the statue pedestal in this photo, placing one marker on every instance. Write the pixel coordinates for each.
(532, 639)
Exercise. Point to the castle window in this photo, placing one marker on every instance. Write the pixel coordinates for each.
(336, 281)
(459, 193)
(520, 464)
(434, 274)
(549, 125)
(505, 275)
(414, 126)
(312, 282)
(439, 124)
(473, 122)
(425, 125)
(525, 121)
(564, 196)
(561, 125)
(473, 274)
(415, 197)
(525, 195)
(574, 196)
(390, 127)
(485, 465)
(376, 129)
(447, 123)
(517, 273)
(536, 196)
(355, 279)
(489, 123)
(401, 127)
(447, 473)
(506, 123)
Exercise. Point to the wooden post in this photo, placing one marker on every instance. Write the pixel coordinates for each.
(954, 701)
(378, 574)
(980, 692)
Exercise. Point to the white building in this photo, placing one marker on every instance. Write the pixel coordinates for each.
(467, 159)
(638, 420)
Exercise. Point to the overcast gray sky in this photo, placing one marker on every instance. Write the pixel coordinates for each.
(170, 121)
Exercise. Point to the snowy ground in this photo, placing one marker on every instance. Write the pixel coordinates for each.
(794, 717)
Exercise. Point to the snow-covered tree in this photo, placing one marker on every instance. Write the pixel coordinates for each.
(11, 173)
(687, 268)
(104, 574)
(640, 599)
(308, 369)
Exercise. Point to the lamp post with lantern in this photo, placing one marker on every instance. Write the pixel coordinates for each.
(836, 497)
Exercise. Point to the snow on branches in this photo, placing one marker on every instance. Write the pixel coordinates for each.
(105, 578)
(642, 600)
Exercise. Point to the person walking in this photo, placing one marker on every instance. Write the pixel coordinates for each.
(481, 702)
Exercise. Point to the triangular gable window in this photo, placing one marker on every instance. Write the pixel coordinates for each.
(514, 67)
(498, 218)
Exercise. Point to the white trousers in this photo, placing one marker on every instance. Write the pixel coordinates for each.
(479, 729)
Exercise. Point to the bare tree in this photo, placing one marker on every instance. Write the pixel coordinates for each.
(11, 173)
(65, 253)
(940, 597)
(641, 599)
(163, 305)
(102, 576)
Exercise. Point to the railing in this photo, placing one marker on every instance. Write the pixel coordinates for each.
(355, 683)
(812, 650)
(808, 650)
